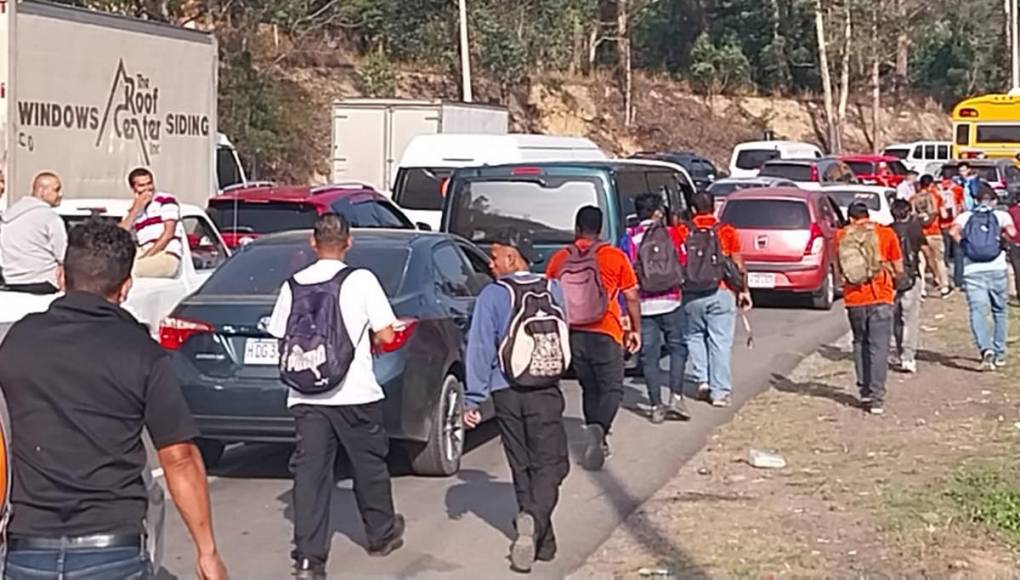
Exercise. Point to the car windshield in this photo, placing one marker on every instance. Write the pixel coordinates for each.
(845, 198)
(260, 269)
(985, 172)
(791, 171)
(897, 153)
(261, 218)
(722, 189)
(544, 209)
(755, 158)
(767, 214)
(421, 188)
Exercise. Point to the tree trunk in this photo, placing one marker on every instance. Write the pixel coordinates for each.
(593, 48)
(902, 45)
(624, 59)
(876, 82)
(823, 63)
(844, 79)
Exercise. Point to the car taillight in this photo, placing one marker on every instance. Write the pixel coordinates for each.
(814, 173)
(403, 330)
(816, 241)
(173, 332)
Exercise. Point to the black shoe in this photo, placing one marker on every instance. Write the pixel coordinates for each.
(522, 550)
(594, 451)
(392, 545)
(306, 569)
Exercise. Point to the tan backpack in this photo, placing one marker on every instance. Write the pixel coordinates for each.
(858, 256)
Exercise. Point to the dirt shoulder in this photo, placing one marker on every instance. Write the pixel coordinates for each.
(929, 489)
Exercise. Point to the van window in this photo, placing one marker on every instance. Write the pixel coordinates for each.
(791, 171)
(755, 158)
(766, 214)
(963, 134)
(943, 152)
(420, 187)
(929, 152)
(918, 152)
(544, 209)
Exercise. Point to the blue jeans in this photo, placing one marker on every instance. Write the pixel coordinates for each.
(79, 564)
(987, 291)
(668, 327)
(711, 321)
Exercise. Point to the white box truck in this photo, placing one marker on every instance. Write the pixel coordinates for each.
(91, 96)
(370, 135)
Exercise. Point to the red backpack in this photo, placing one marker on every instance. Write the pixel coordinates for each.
(581, 282)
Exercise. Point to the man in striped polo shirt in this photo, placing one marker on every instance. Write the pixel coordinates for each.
(155, 219)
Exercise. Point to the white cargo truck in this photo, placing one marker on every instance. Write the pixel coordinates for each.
(370, 135)
(92, 95)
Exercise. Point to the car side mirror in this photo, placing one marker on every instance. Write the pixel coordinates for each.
(423, 226)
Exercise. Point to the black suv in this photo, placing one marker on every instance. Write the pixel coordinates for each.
(702, 171)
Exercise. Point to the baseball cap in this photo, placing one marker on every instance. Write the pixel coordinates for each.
(518, 241)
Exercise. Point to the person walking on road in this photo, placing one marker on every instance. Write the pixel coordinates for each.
(985, 274)
(518, 349)
(593, 276)
(33, 238)
(907, 312)
(655, 249)
(81, 381)
(869, 263)
(155, 219)
(952, 206)
(715, 286)
(1014, 246)
(929, 210)
(335, 397)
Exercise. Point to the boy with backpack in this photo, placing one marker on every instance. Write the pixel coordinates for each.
(656, 250)
(327, 317)
(869, 261)
(930, 210)
(907, 313)
(593, 276)
(980, 233)
(714, 288)
(518, 349)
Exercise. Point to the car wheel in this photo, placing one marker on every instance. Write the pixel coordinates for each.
(211, 450)
(442, 452)
(824, 297)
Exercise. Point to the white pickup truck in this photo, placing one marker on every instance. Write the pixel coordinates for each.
(150, 299)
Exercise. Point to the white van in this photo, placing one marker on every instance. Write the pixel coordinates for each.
(429, 160)
(747, 158)
(917, 156)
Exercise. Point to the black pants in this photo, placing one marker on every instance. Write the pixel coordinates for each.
(1014, 258)
(598, 363)
(320, 431)
(37, 288)
(872, 328)
(531, 428)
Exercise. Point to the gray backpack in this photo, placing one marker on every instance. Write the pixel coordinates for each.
(581, 281)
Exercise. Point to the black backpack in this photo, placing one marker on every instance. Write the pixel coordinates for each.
(658, 265)
(911, 264)
(536, 350)
(705, 260)
(316, 352)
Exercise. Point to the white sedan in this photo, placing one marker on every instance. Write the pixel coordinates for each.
(875, 196)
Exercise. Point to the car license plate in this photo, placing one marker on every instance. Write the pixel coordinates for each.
(758, 280)
(261, 351)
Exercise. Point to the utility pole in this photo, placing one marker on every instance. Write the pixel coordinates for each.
(465, 53)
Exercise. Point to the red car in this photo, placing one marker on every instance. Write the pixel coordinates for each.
(787, 238)
(242, 214)
(868, 169)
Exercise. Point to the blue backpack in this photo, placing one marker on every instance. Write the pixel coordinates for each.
(316, 352)
(982, 236)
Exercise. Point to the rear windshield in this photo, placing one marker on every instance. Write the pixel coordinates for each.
(845, 198)
(421, 188)
(862, 167)
(755, 158)
(544, 209)
(723, 189)
(998, 134)
(260, 269)
(898, 153)
(791, 171)
(985, 173)
(261, 218)
(767, 214)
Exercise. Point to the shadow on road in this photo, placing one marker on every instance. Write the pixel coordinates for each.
(951, 362)
(482, 495)
(814, 389)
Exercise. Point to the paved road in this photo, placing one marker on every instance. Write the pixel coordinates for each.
(459, 527)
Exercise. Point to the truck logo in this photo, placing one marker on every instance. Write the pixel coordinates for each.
(134, 113)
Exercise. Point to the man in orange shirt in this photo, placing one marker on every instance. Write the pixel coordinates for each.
(952, 205)
(870, 261)
(928, 206)
(593, 275)
(710, 303)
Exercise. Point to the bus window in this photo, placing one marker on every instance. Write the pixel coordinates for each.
(998, 133)
(963, 134)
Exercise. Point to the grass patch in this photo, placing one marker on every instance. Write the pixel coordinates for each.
(990, 496)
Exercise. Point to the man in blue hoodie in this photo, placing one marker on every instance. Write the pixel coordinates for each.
(530, 418)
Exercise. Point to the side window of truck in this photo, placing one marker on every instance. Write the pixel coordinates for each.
(207, 252)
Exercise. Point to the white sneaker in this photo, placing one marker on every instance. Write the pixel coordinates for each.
(909, 366)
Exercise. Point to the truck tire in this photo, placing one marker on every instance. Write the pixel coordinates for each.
(441, 453)
(211, 450)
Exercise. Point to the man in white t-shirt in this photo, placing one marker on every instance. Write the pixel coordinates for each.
(908, 187)
(351, 415)
(155, 220)
(986, 273)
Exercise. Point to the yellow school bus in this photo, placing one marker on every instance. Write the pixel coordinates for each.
(987, 127)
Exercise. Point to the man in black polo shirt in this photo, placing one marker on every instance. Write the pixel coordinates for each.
(81, 381)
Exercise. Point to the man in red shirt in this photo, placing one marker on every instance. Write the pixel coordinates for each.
(712, 314)
(597, 347)
(1014, 244)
